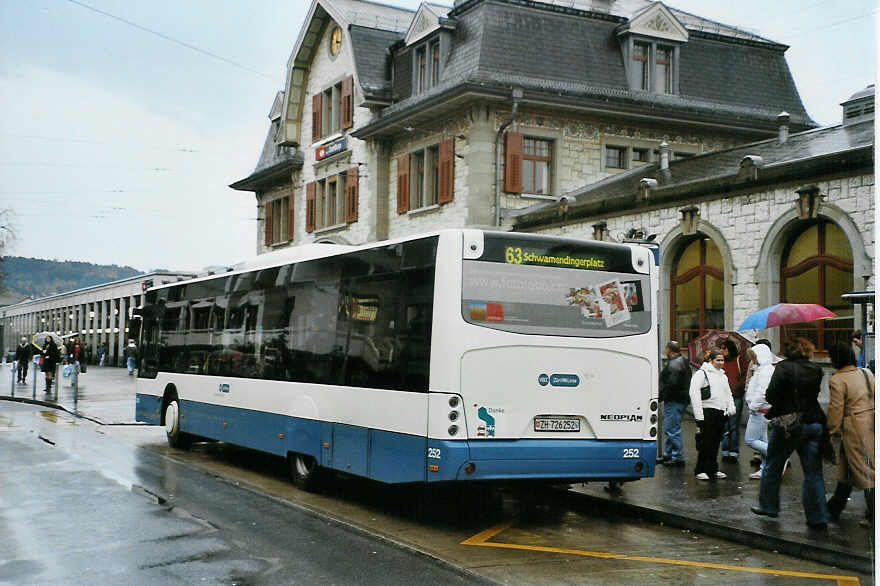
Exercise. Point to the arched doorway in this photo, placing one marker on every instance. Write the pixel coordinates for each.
(817, 267)
(697, 289)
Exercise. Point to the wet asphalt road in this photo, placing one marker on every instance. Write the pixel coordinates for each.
(73, 511)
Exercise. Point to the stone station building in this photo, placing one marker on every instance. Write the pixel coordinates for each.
(394, 122)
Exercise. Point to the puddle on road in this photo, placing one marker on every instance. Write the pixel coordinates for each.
(52, 417)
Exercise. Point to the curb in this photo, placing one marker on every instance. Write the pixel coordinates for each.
(51, 405)
(831, 557)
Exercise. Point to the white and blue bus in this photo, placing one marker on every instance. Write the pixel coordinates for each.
(460, 355)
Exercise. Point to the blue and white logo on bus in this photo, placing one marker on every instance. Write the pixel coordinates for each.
(487, 425)
(543, 379)
(564, 380)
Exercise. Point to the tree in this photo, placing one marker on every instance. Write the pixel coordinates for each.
(7, 237)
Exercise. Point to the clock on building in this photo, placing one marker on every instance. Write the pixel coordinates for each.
(335, 41)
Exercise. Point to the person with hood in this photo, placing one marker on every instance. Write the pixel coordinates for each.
(756, 399)
(23, 354)
(130, 354)
(711, 413)
(851, 426)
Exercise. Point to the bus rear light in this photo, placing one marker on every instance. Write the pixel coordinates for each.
(654, 405)
(653, 418)
(433, 468)
(453, 429)
(639, 466)
(653, 432)
(470, 468)
(453, 415)
(453, 401)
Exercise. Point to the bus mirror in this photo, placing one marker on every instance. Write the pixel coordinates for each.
(134, 327)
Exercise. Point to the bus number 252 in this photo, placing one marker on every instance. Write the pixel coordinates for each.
(630, 452)
(434, 453)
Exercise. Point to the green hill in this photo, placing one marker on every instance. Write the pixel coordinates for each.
(35, 277)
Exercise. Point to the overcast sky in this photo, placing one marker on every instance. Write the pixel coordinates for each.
(117, 145)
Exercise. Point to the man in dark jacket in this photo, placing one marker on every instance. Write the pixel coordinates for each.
(675, 379)
(23, 354)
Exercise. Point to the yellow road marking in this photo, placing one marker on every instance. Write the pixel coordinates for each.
(482, 540)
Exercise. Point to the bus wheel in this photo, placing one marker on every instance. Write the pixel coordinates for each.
(305, 471)
(176, 438)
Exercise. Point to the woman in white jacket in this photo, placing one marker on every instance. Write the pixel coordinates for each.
(756, 428)
(711, 414)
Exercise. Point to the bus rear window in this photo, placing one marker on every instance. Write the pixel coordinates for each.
(552, 301)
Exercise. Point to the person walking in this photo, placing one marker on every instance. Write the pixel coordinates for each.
(130, 354)
(856, 340)
(674, 386)
(23, 354)
(710, 412)
(736, 379)
(796, 422)
(756, 399)
(50, 355)
(102, 353)
(851, 426)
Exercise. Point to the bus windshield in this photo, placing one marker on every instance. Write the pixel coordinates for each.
(556, 287)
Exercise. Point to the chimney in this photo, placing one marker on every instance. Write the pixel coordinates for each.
(664, 156)
(859, 107)
(782, 118)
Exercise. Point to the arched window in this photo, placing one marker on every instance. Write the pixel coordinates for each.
(697, 292)
(817, 267)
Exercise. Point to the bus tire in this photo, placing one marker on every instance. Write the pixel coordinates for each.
(176, 438)
(305, 472)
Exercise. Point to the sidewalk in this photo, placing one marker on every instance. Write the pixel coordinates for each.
(722, 509)
(104, 395)
(673, 497)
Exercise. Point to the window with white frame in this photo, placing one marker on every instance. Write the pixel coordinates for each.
(427, 66)
(653, 66)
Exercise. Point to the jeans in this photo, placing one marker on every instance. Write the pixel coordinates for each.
(756, 435)
(779, 448)
(673, 448)
(730, 440)
(130, 363)
(22, 370)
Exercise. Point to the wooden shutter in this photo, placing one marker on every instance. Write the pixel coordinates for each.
(445, 170)
(351, 195)
(513, 154)
(402, 184)
(310, 206)
(268, 214)
(290, 216)
(316, 117)
(347, 99)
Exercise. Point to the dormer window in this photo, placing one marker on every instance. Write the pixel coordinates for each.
(427, 65)
(653, 66)
(650, 43)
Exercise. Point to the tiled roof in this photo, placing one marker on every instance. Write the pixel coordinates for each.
(685, 173)
(370, 49)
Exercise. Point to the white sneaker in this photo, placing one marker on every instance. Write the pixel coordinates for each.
(755, 475)
(702, 476)
(720, 474)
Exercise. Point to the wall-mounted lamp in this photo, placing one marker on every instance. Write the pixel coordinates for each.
(600, 230)
(646, 184)
(563, 207)
(690, 217)
(808, 202)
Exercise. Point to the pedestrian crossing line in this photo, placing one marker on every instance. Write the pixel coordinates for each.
(482, 538)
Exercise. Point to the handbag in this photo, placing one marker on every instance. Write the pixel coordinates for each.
(706, 390)
(789, 423)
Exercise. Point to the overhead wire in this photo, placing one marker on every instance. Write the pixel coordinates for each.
(172, 39)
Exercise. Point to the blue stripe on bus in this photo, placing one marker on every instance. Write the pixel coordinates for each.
(394, 458)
